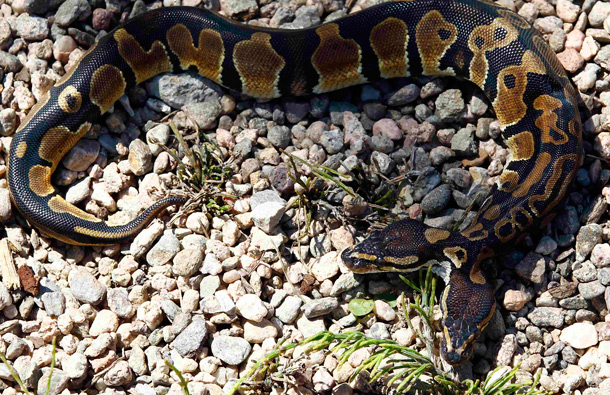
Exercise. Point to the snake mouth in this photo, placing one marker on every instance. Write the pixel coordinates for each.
(359, 262)
(454, 357)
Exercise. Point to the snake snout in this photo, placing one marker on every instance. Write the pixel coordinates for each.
(455, 358)
(459, 340)
(363, 257)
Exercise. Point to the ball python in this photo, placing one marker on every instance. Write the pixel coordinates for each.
(475, 40)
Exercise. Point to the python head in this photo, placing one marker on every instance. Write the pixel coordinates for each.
(399, 247)
(467, 309)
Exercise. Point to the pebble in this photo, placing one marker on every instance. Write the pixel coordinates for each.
(119, 374)
(105, 321)
(140, 158)
(188, 262)
(191, 338)
(72, 10)
(320, 307)
(258, 332)
(289, 310)
(231, 350)
(436, 200)
(514, 300)
(82, 155)
(463, 142)
(588, 237)
(532, 268)
(450, 105)
(86, 288)
(251, 307)
(267, 215)
(58, 382)
(580, 335)
(326, 267)
(546, 316)
(164, 250)
(54, 303)
(31, 27)
(204, 114)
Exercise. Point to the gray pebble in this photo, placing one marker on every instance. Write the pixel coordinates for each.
(436, 200)
(119, 303)
(191, 338)
(164, 250)
(546, 316)
(320, 307)
(279, 136)
(231, 350)
(86, 288)
(288, 311)
(54, 303)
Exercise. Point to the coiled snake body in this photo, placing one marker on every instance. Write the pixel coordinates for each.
(476, 40)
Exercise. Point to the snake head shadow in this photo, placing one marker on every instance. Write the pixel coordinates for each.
(467, 309)
(399, 247)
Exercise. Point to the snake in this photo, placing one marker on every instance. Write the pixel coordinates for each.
(476, 40)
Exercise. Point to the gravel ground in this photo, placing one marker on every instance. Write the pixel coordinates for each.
(210, 293)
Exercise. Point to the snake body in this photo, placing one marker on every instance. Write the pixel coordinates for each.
(475, 40)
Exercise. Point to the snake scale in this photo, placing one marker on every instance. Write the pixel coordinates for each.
(490, 46)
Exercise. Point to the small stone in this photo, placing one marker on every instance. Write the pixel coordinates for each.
(600, 256)
(140, 158)
(119, 303)
(387, 127)
(119, 374)
(75, 365)
(507, 350)
(198, 222)
(72, 10)
(54, 303)
(405, 95)
(463, 142)
(384, 311)
(266, 216)
(258, 332)
(231, 350)
(514, 300)
(546, 246)
(326, 267)
(164, 250)
(567, 11)
(31, 27)
(599, 13)
(86, 288)
(580, 335)
(279, 136)
(309, 327)
(588, 237)
(105, 321)
(82, 155)
(251, 307)
(571, 60)
(546, 316)
(59, 382)
(320, 307)
(591, 289)
(191, 338)
(187, 262)
(204, 114)
(436, 200)
(532, 267)
(332, 141)
(288, 311)
(101, 19)
(450, 105)
(379, 331)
